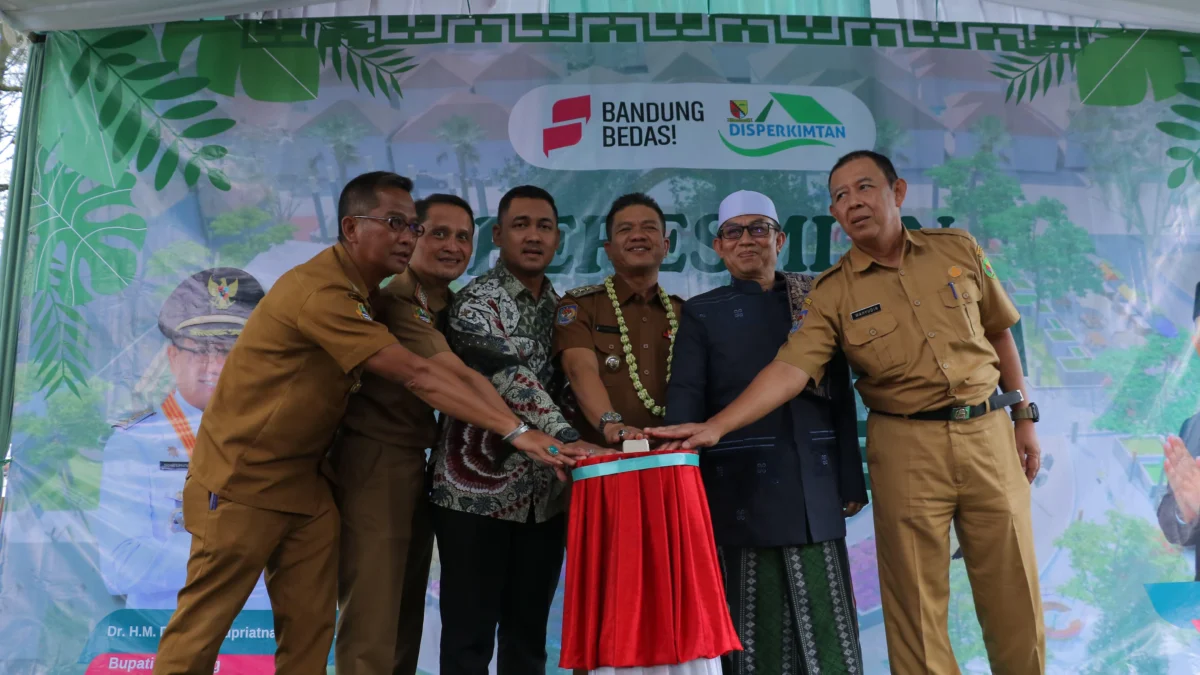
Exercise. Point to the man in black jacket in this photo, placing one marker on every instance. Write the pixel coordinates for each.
(779, 490)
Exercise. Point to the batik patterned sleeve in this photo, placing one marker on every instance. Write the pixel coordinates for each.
(478, 335)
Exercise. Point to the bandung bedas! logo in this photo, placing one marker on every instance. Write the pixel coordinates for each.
(567, 113)
(641, 125)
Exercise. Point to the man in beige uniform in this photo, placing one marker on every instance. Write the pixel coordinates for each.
(617, 396)
(387, 539)
(925, 323)
(255, 496)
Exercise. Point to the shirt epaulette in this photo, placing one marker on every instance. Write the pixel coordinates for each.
(946, 230)
(129, 421)
(584, 291)
(823, 275)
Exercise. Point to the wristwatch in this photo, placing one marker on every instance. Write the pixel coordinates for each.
(609, 417)
(1029, 412)
(567, 435)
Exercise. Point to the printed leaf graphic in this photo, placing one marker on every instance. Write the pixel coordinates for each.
(1189, 89)
(1180, 131)
(1116, 70)
(1189, 112)
(279, 68)
(90, 228)
(1177, 177)
(188, 110)
(1181, 154)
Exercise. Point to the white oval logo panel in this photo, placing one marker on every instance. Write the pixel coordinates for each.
(688, 126)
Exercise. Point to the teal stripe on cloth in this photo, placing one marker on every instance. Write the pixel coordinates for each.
(636, 464)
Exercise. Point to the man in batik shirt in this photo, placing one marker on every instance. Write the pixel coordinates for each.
(499, 517)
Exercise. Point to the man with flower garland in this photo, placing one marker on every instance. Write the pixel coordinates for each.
(615, 339)
(779, 490)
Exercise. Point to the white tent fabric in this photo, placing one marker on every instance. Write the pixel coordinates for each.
(1166, 14)
(49, 15)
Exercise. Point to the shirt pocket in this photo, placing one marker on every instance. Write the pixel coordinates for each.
(872, 344)
(961, 305)
(608, 348)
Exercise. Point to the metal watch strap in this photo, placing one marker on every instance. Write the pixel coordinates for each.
(610, 417)
(512, 435)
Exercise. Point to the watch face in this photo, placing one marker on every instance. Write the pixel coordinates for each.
(568, 435)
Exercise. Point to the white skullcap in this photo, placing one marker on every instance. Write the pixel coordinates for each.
(746, 203)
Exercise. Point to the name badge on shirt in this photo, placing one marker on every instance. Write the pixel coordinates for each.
(865, 311)
(608, 329)
(172, 466)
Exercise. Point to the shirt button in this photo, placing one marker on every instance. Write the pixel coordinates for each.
(644, 319)
(612, 346)
(945, 366)
(917, 303)
(932, 334)
(953, 392)
(873, 331)
(966, 296)
(645, 346)
(645, 372)
(901, 272)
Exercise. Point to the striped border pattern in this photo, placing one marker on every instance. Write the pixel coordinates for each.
(378, 31)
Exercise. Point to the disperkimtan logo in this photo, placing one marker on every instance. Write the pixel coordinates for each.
(810, 124)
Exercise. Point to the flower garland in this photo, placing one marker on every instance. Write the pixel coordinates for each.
(630, 359)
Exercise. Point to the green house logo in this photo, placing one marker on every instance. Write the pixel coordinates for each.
(808, 123)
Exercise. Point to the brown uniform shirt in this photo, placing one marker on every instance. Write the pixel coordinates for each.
(263, 438)
(586, 319)
(384, 411)
(915, 335)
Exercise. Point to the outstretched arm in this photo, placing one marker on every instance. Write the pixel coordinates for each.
(775, 385)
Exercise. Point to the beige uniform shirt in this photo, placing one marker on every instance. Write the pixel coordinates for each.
(586, 319)
(916, 335)
(383, 410)
(263, 438)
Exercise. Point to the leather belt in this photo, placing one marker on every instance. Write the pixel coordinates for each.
(963, 413)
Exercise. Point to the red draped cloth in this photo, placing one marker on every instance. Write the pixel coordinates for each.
(643, 585)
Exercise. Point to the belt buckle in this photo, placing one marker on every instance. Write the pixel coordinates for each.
(960, 413)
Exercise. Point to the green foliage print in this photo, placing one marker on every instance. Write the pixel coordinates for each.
(114, 91)
(76, 254)
(241, 234)
(55, 475)
(1119, 69)
(1184, 131)
(1113, 561)
(1157, 386)
(1042, 64)
(1037, 239)
(281, 61)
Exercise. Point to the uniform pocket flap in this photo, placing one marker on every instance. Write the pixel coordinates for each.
(960, 294)
(607, 343)
(864, 330)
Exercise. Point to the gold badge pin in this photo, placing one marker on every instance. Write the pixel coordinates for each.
(956, 271)
(612, 363)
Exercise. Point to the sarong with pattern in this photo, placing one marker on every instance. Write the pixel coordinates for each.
(793, 608)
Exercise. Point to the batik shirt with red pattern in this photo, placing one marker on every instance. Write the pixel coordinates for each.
(498, 328)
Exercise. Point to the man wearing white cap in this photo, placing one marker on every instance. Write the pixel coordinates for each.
(925, 322)
(779, 489)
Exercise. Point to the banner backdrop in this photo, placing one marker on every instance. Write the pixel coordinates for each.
(1072, 155)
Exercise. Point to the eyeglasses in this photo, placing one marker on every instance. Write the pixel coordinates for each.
(759, 229)
(398, 223)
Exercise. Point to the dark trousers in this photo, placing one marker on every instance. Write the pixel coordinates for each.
(496, 573)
